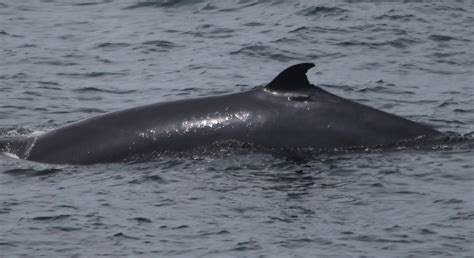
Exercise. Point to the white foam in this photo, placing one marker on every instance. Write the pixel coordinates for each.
(37, 133)
(11, 155)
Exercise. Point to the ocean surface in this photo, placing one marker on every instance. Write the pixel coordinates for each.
(62, 61)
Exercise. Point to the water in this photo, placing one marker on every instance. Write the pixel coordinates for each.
(62, 61)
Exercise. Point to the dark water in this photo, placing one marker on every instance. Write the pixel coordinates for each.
(61, 61)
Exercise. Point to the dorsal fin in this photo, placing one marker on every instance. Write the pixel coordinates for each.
(292, 78)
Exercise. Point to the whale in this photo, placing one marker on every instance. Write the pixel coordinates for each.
(287, 113)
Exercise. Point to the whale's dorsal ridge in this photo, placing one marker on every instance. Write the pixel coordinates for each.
(292, 78)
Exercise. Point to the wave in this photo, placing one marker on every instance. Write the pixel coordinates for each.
(441, 37)
(323, 11)
(90, 74)
(161, 3)
(157, 46)
(272, 53)
(94, 89)
(402, 42)
(111, 45)
(211, 31)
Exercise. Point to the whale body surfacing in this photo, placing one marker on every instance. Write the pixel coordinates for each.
(288, 112)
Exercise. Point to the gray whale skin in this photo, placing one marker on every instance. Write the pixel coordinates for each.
(289, 112)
